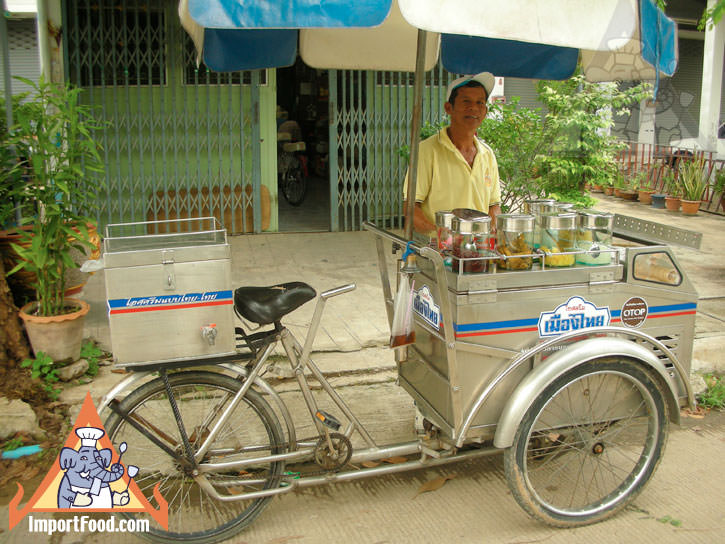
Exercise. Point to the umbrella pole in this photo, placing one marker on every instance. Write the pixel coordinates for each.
(414, 136)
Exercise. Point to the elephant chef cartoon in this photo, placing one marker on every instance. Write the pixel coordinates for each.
(85, 483)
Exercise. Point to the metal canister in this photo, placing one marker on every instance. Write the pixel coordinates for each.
(558, 237)
(564, 207)
(471, 235)
(594, 235)
(537, 207)
(515, 240)
(444, 230)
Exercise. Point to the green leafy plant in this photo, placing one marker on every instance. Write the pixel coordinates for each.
(91, 353)
(43, 368)
(719, 186)
(13, 444)
(693, 178)
(672, 185)
(53, 139)
(714, 396)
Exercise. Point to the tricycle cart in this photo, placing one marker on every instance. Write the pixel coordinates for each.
(572, 374)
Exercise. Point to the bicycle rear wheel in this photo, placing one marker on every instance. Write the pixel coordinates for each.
(252, 430)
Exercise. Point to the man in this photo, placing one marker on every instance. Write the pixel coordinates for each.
(455, 168)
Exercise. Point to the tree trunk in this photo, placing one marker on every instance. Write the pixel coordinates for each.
(13, 345)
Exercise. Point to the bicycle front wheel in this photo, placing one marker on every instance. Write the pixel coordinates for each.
(589, 443)
(251, 431)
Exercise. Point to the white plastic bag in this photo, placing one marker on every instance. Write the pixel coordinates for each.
(402, 332)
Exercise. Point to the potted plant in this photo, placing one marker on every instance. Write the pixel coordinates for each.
(694, 181)
(645, 187)
(673, 191)
(54, 144)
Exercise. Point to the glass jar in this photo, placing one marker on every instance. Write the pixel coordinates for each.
(594, 235)
(471, 241)
(515, 236)
(536, 208)
(444, 230)
(558, 237)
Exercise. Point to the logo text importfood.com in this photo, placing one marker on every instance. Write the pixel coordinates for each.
(87, 524)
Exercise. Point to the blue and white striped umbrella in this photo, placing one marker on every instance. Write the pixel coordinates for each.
(615, 39)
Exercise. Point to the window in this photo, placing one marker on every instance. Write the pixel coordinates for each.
(117, 44)
(657, 268)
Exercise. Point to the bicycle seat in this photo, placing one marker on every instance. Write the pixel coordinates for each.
(265, 305)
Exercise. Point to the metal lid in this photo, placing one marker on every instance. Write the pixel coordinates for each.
(560, 221)
(537, 206)
(593, 220)
(515, 222)
(564, 206)
(468, 221)
(444, 218)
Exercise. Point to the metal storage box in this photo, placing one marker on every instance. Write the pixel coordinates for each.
(168, 290)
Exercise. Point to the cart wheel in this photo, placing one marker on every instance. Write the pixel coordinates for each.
(252, 430)
(589, 443)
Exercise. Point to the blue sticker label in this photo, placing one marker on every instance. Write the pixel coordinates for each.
(426, 308)
(574, 315)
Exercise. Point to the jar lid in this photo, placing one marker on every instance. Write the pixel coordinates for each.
(536, 206)
(561, 221)
(564, 206)
(444, 218)
(468, 221)
(515, 222)
(594, 220)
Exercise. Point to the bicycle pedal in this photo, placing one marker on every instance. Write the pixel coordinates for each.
(328, 420)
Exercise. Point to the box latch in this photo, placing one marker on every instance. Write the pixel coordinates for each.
(169, 277)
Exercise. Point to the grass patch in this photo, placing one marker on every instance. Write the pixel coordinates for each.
(714, 396)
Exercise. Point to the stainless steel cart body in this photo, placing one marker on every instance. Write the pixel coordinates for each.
(487, 344)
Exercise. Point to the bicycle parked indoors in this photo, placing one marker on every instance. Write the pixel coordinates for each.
(581, 417)
(292, 170)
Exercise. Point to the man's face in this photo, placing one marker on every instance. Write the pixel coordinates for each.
(469, 108)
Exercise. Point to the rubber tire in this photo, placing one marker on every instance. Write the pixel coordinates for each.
(514, 457)
(258, 406)
(294, 185)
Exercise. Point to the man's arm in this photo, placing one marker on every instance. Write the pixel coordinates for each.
(493, 211)
(420, 221)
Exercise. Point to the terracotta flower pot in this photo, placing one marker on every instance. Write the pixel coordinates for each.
(609, 191)
(597, 189)
(672, 203)
(628, 194)
(58, 336)
(645, 196)
(618, 192)
(690, 207)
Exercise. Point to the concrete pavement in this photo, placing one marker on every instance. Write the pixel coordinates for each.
(475, 506)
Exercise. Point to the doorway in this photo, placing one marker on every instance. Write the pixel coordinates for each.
(302, 112)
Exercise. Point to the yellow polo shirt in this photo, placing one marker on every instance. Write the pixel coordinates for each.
(446, 181)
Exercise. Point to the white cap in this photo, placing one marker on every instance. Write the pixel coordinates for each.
(89, 435)
(484, 78)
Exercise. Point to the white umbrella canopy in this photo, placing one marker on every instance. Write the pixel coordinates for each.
(616, 39)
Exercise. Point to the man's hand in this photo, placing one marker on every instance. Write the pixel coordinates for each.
(493, 211)
(420, 221)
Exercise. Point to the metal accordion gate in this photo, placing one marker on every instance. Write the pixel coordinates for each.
(178, 141)
(370, 124)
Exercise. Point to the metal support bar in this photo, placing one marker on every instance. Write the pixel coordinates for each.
(414, 132)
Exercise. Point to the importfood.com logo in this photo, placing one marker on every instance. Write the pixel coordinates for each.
(88, 476)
